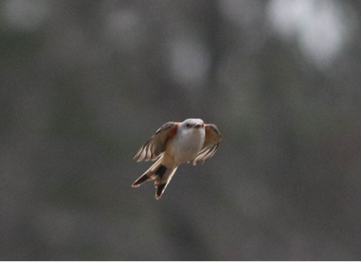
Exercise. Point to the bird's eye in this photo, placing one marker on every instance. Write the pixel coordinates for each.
(188, 125)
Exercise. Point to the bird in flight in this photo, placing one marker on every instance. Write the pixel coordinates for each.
(173, 144)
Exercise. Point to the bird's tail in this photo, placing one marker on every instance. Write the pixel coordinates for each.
(160, 173)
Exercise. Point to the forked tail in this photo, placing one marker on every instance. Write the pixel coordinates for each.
(160, 173)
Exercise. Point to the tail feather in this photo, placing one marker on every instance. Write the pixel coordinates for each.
(150, 174)
(162, 181)
(160, 173)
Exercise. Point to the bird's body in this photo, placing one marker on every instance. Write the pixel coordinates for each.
(174, 144)
(187, 143)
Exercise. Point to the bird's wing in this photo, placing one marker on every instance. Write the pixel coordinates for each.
(156, 145)
(211, 143)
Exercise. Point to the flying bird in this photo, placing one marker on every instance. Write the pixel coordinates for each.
(173, 144)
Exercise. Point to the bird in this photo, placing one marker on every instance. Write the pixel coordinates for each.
(173, 144)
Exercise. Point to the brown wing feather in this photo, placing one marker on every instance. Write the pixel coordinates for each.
(211, 144)
(156, 145)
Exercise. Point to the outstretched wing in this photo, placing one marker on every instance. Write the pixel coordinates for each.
(156, 145)
(211, 143)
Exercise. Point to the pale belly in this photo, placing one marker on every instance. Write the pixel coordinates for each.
(187, 145)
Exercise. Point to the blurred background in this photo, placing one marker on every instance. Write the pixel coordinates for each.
(83, 84)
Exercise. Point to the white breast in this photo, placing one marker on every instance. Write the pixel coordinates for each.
(187, 144)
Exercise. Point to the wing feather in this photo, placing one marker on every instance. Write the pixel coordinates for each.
(156, 145)
(211, 144)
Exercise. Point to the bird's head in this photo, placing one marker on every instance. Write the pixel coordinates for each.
(193, 123)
